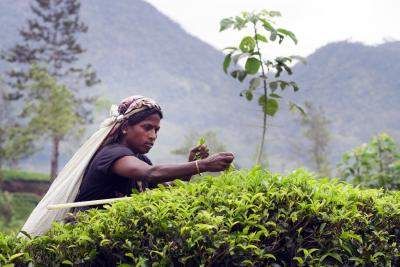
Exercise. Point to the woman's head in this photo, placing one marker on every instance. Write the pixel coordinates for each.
(139, 125)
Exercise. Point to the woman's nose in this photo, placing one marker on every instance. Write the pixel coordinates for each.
(153, 135)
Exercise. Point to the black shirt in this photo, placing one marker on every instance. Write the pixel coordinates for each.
(99, 182)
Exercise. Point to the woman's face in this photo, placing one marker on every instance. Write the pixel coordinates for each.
(140, 137)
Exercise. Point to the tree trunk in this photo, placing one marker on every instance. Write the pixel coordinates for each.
(54, 157)
(261, 148)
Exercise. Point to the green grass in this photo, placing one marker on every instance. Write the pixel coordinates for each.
(11, 175)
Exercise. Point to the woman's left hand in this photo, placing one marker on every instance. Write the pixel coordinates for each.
(198, 152)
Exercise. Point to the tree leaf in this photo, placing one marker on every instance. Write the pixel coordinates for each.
(13, 257)
(267, 25)
(290, 34)
(281, 37)
(249, 95)
(241, 75)
(294, 106)
(252, 65)
(295, 86)
(255, 82)
(334, 255)
(282, 85)
(271, 106)
(261, 38)
(225, 24)
(275, 14)
(227, 62)
(240, 23)
(247, 44)
(275, 95)
(288, 70)
(262, 101)
(273, 85)
(67, 262)
(273, 36)
(235, 73)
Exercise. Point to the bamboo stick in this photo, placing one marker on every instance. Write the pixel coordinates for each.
(85, 203)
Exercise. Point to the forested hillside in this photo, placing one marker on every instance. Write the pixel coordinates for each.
(138, 50)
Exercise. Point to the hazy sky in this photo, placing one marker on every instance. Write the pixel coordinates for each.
(315, 22)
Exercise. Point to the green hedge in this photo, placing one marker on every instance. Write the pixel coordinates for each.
(10, 175)
(246, 218)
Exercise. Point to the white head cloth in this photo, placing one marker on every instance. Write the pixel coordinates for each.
(64, 188)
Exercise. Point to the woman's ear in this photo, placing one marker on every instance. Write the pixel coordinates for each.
(124, 128)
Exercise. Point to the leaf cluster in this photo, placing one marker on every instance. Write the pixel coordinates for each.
(53, 108)
(255, 64)
(246, 218)
(374, 164)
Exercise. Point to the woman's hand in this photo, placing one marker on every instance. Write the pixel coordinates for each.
(198, 152)
(216, 162)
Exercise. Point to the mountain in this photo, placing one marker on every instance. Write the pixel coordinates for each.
(135, 49)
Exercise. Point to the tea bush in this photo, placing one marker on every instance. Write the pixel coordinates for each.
(246, 218)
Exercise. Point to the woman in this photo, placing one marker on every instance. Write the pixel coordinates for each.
(112, 162)
(120, 164)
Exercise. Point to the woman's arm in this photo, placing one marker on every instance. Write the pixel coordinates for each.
(130, 166)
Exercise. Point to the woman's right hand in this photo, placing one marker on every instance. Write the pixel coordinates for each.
(216, 162)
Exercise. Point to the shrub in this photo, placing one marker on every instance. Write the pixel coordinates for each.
(375, 164)
(239, 218)
(12, 250)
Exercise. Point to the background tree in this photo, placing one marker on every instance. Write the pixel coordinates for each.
(257, 65)
(315, 128)
(191, 139)
(50, 41)
(375, 164)
(51, 113)
(15, 140)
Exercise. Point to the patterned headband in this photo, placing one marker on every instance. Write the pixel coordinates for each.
(129, 106)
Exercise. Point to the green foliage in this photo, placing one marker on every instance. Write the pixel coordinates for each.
(375, 164)
(202, 141)
(52, 113)
(50, 39)
(10, 251)
(15, 141)
(261, 25)
(15, 208)
(11, 174)
(246, 218)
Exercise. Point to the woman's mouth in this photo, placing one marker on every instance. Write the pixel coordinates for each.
(148, 145)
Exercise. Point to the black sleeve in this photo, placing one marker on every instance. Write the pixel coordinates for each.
(108, 155)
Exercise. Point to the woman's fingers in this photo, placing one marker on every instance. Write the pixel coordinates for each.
(228, 157)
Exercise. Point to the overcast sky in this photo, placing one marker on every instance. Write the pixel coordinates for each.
(315, 22)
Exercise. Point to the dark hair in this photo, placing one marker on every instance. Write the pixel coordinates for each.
(132, 120)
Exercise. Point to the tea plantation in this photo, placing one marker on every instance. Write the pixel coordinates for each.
(246, 218)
